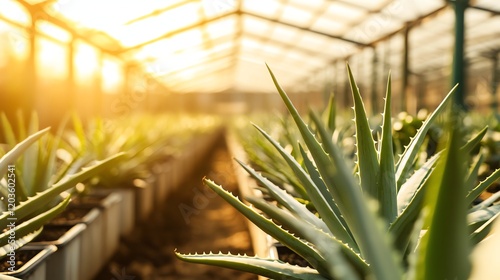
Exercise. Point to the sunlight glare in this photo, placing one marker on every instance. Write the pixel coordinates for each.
(51, 59)
(112, 76)
(13, 11)
(86, 62)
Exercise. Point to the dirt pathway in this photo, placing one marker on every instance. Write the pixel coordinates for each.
(193, 219)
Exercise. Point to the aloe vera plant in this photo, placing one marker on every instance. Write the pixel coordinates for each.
(30, 213)
(385, 219)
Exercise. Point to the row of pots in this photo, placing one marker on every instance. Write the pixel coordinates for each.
(78, 243)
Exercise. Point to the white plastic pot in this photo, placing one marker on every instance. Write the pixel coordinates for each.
(65, 262)
(36, 267)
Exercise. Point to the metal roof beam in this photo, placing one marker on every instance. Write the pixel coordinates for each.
(181, 30)
(159, 11)
(411, 24)
(359, 44)
(493, 12)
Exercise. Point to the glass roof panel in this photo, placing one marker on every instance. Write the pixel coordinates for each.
(345, 12)
(312, 41)
(329, 25)
(268, 8)
(296, 16)
(284, 34)
(371, 5)
(372, 28)
(309, 4)
(256, 25)
(489, 4)
(215, 8)
(222, 27)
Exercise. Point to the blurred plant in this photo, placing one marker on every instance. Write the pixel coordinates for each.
(148, 140)
(386, 220)
(23, 217)
(45, 162)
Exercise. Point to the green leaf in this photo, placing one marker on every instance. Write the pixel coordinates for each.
(444, 250)
(325, 205)
(328, 245)
(40, 200)
(298, 246)
(477, 218)
(19, 149)
(365, 145)
(410, 201)
(18, 243)
(271, 268)
(331, 114)
(474, 193)
(8, 132)
(35, 223)
(407, 158)
(283, 198)
(331, 220)
(473, 173)
(480, 234)
(475, 141)
(386, 189)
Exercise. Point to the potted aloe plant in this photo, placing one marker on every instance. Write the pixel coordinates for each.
(387, 220)
(33, 210)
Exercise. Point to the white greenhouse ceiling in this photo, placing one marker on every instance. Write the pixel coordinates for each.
(221, 45)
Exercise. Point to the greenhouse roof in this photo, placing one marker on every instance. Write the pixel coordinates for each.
(219, 45)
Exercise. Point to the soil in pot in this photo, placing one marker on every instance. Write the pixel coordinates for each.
(192, 219)
(22, 257)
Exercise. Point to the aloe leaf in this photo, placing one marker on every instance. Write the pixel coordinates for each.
(477, 218)
(283, 198)
(365, 145)
(473, 173)
(475, 141)
(43, 198)
(54, 145)
(480, 234)
(31, 159)
(21, 125)
(474, 193)
(325, 199)
(331, 220)
(386, 190)
(19, 149)
(18, 243)
(443, 251)
(79, 131)
(271, 268)
(34, 223)
(347, 194)
(8, 132)
(407, 158)
(486, 203)
(331, 114)
(410, 201)
(327, 244)
(410, 188)
(300, 247)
